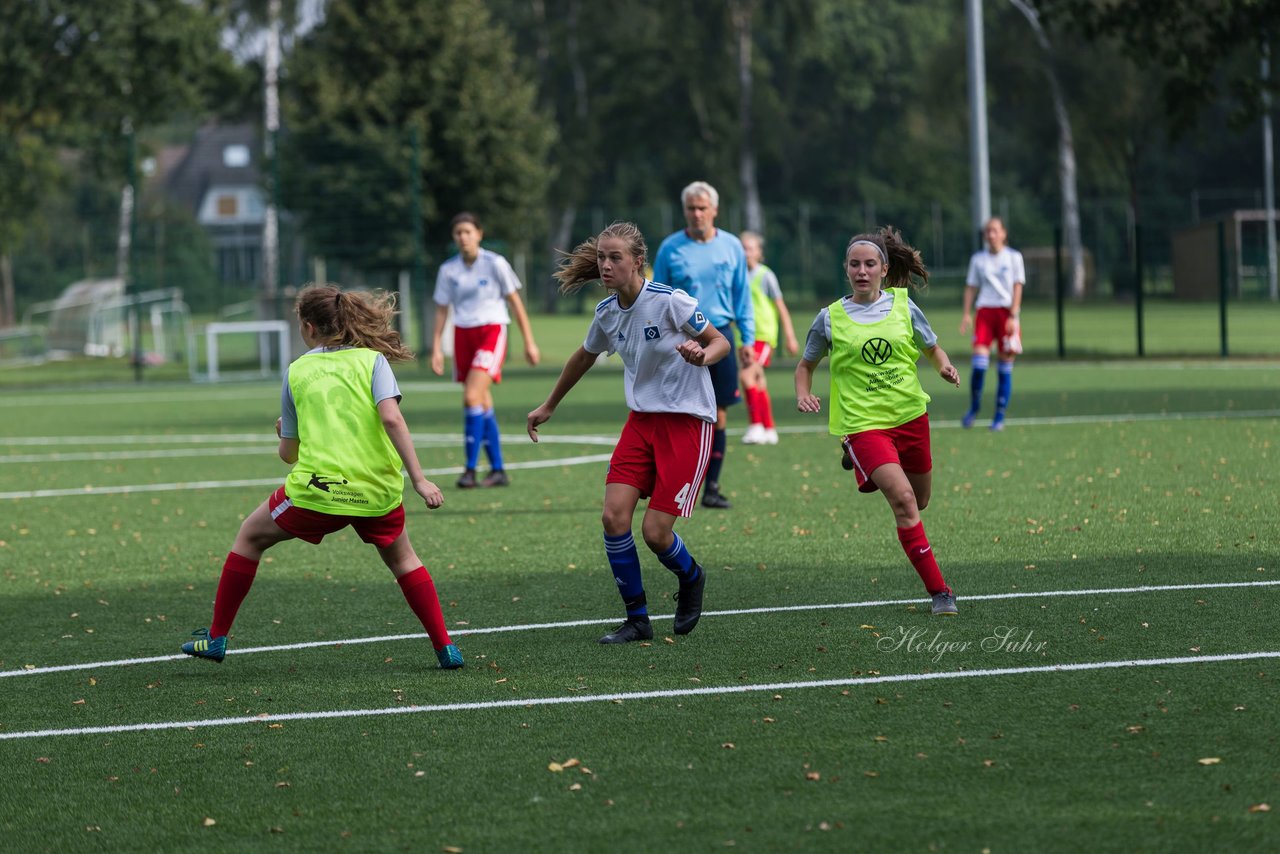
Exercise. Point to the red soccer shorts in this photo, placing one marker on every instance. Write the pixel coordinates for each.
(907, 445)
(988, 330)
(664, 455)
(479, 348)
(312, 525)
(764, 353)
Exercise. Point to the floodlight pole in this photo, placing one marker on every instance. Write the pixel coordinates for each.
(979, 157)
(1268, 171)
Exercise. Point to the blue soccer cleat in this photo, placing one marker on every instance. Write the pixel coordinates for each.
(997, 424)
(969, 417)
(450, 658)
(214, 649)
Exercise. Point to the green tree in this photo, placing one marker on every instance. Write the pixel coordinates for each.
(77, 72)
(356, 87)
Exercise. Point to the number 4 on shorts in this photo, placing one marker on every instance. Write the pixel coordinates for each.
(683, 495)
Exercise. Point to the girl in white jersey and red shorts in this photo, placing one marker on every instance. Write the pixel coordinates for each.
(996, 275)
(480, 286)
(665, 344)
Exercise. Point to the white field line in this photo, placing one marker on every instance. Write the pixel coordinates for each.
(165, 396)
(251, 438)
(566, 624)
(530, 702)
(265, 481)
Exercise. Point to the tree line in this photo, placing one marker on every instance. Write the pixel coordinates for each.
(530, 111)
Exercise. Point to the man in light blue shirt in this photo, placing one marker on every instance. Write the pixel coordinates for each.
(709, 264)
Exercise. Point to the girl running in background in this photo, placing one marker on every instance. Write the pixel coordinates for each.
(875, 337)
(665, 343)
(341, 429)
(770, 312)
(480, 286)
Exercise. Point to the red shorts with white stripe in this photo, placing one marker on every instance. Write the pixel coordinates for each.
(989, 329)
(312, 525)
(764, 353)
(479, 348)
(664, 455)
(907, 445)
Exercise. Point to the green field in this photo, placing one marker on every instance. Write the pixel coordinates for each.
(1122, 530)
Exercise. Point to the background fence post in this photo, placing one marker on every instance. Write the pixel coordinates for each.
(419, 283)
(1059, 291)
(1222, 287)
(1137, 287)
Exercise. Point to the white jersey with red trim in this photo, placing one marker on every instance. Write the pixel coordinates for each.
(645, 335)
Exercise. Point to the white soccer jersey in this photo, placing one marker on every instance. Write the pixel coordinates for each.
(994, 276)
(477, 293)
(646, 335)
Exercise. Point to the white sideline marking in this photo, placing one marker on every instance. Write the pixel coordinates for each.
(267, 481)
(163, 396)
(567, 624)
(223, 438)
(529, 702)
(1057, 420)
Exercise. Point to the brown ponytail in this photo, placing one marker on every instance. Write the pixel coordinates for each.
(353, 319)
(906, 267)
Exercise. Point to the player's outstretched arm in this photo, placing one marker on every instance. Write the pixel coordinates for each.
(437, 340)
(398, 433)
(574, 369)
(806, 401)
(531, 353)
(942, 364)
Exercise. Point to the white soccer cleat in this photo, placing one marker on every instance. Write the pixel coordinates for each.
(770, 437)
(754, 435)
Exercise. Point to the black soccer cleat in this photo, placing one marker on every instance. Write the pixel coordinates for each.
(497, 477)
(468, 480)
(846, 455)
(689, 603)
(712, 498)
(634, 629)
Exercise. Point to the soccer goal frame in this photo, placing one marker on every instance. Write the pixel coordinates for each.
(266, 328)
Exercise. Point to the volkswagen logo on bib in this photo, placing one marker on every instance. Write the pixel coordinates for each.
(876, 351)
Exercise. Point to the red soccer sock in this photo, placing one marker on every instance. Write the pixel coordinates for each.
(764, 408)
(420, 592)
(237, 577)
(920, 553)
(749, 398)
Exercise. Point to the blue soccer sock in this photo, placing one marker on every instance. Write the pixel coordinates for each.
(976, 380)
(1004, 387)
(473, 432)
(492, 440)
(678, 560)
(625, 564)
(719, 440)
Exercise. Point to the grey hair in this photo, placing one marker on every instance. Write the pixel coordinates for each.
(700, 188)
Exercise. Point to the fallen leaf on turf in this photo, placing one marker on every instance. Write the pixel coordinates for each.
(668, 640)
(870, 773)
(1260, 808)
(1209, 760)
(988, 763)
(729, 745)
(769, 720)
(813, 775)
(44, 760)
(275, 726)
(576, 787)
(276, 829)
(882, 738)
(77, 702)
(865, 626)
(1134, 728)
(419, 773)
(555, 767)
(283, 784)
(93, 828)
(451, 849)
(570, 763)
(208, 822)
